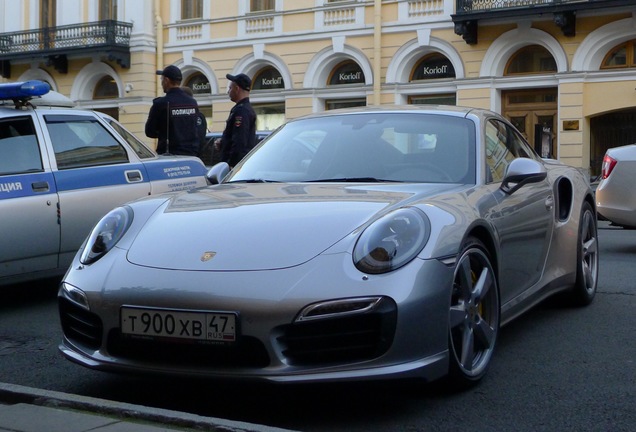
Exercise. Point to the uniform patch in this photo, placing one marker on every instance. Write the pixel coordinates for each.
(238, 120)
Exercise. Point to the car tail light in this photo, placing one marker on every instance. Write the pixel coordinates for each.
(608, 165)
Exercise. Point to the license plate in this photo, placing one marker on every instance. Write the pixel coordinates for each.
(180, 324)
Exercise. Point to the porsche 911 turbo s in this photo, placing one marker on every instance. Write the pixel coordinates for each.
(352, 244)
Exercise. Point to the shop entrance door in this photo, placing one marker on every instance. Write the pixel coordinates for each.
(534, 113)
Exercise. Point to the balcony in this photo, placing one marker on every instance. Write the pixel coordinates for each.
(469, 13)
(54, 45)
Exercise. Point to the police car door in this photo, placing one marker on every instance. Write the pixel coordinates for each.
(28, 200)
(95, 173)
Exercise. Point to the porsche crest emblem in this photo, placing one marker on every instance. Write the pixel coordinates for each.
(207, 256)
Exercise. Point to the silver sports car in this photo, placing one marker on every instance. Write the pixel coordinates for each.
(356, 244)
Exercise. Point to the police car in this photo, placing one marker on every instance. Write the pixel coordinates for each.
(61, 170)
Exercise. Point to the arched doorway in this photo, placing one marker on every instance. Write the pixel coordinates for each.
(533, 111)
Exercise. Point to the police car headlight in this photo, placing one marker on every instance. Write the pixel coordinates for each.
(391, 241)
(106, 234)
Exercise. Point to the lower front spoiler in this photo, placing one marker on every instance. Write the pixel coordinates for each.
(428, 369)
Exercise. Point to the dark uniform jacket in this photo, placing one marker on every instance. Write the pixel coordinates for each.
(173, 120)
(239, 136)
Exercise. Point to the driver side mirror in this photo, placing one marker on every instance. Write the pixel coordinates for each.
(522, 171)
(218, 172)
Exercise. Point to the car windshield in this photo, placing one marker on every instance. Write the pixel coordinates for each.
(366, 147)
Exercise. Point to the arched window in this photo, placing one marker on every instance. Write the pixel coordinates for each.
(106, 88)
(268, 78)
(347, 72)
(432, 66)
(199, 83)
(621, 56)
(531, 59)
(200, 86)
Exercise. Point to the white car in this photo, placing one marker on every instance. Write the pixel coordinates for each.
(61, 170)
(615, 197)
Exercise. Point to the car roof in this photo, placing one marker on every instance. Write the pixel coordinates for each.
(454, 110)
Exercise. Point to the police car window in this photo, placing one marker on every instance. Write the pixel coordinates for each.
(19, 150)
(80, 141)
(138, 147)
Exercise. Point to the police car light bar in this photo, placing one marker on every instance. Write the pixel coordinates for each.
(23, 90)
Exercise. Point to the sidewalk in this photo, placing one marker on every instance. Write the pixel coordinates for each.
(24, 409)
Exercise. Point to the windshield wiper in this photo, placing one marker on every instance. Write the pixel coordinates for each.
(353, 180)
(254, 181)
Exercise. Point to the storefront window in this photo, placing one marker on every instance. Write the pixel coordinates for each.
(199, 83)
(269, 115)
(438, 99)
(268, 78)
(433, 66)
(345, 103)
(347, 72)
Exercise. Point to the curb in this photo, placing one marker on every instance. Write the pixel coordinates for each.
(13, 394)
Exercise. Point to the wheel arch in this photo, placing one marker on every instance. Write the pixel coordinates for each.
(484, 235)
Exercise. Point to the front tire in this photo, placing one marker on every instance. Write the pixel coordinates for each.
(474, 315)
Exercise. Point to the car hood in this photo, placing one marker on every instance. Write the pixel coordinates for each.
(260, 226)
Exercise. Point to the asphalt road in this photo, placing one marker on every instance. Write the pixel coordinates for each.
(555, 369)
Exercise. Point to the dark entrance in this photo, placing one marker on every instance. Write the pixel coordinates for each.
(610, 130)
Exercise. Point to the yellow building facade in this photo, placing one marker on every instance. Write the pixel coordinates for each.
(565, 75)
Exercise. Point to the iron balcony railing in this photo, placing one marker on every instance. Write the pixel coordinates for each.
(533, 6)
(468, 13)
(107, 36)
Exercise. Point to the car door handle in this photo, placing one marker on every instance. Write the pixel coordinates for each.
(549, 202)
(40, 186)
(134, 176)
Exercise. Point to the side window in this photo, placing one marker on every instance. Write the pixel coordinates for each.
(498, 155)
(519, 145)
(81, 141)
(19, 149)
(503, 144)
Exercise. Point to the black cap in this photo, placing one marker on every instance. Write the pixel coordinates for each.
(242, 80)
(171, 72)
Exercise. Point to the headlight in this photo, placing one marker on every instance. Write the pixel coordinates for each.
(106, 234)
(392, 241)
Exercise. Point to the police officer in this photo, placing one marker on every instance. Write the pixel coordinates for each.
(173, 117)
(239, 136)
(202, 123)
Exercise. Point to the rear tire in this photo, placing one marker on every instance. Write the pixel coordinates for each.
(584, 289)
